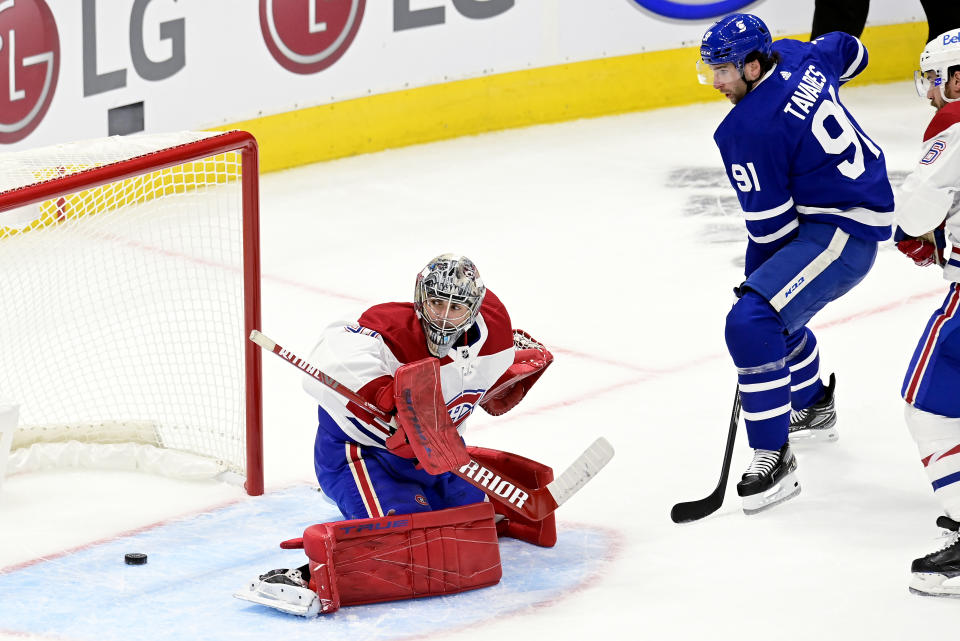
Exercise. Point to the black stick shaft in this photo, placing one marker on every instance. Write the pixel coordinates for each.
(695, 510)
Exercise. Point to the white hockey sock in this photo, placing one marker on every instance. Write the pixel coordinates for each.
(938, 441)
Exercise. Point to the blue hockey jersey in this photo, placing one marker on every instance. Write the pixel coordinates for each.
(794, 153)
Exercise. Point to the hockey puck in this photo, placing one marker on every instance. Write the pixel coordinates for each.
(135, 558)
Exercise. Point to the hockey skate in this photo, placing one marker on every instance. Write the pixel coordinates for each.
(770, 479)
(938, 573)
(817, 422)
(283, 590)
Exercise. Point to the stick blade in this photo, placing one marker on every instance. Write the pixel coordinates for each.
(587, 465)
(690, 511)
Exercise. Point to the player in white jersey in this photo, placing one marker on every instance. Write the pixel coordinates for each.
(928, 215)
(454, 348)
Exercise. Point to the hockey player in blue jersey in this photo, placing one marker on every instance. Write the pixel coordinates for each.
(816, 199)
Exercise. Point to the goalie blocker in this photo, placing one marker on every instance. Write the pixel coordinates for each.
(405, 556)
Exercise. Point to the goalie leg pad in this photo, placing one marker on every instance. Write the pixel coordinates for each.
(403, 556)
(532, 474)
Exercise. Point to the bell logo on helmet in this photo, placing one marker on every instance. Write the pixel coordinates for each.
(951, 39)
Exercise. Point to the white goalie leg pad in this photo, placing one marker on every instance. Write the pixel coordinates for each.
(786, 489)
(292, 599)
(938, 442)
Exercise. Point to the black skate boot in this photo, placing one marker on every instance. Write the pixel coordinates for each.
(769, 480)
(819, 421)
(938, 573)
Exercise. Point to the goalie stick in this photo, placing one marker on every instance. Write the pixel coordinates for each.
(533, 503)
(695, 510)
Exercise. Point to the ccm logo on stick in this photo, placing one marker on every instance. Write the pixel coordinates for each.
(485, 478)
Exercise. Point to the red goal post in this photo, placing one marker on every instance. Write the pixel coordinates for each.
(131, 279)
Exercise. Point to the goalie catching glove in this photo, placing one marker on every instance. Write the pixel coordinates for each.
(530, 360)
(425, 430)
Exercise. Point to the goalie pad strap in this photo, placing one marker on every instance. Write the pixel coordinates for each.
(403, 556)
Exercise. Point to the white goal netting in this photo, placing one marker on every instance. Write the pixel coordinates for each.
(126, 305)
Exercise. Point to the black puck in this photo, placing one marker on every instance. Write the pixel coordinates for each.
(135, 558)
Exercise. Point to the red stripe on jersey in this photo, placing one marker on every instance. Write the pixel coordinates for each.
(362, 478)
(945, 118)
(950, 452)
(400, 328)
(924, 359)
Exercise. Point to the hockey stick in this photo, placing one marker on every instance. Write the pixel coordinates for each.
(695, 510)
(533, 503)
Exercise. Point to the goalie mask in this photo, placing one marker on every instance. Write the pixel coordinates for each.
(940, 54)
(447, 299)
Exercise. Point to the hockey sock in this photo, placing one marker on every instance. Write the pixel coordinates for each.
(756, 341)
(938, 441)
(804, 362)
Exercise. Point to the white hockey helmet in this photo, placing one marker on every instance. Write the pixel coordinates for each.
(938, 56)
(447, 299)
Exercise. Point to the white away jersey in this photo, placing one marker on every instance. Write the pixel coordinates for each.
(364, 355)
(929, 194)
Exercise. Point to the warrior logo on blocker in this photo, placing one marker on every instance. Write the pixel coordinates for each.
(307, 36)
(30, 58)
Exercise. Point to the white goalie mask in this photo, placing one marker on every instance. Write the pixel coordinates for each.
(447, 299)
(938, 56)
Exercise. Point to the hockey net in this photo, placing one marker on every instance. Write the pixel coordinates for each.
(130, 283)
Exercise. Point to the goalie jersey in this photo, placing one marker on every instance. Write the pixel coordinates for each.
(929, 193)
(364, 355)
(794, 154)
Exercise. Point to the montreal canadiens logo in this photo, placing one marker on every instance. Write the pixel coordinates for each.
(307, 36)
(461, 406)
(421, 499)
(30, 54)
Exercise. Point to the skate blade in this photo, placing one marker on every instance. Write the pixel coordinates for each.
(310, 610)
(825, 435)
(785, 490)
(931, 584)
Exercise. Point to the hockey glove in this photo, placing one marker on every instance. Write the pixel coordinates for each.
(924, 250)
(919, 251)
(379, 392)
(423, 419)
(530, 361)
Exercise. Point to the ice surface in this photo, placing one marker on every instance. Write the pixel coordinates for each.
(616, 242)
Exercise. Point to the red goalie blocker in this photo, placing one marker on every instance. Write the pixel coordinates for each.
(402, 557)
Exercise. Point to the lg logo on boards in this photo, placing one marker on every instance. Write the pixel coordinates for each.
(307, 36)
(303, 36)
(30, 56)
